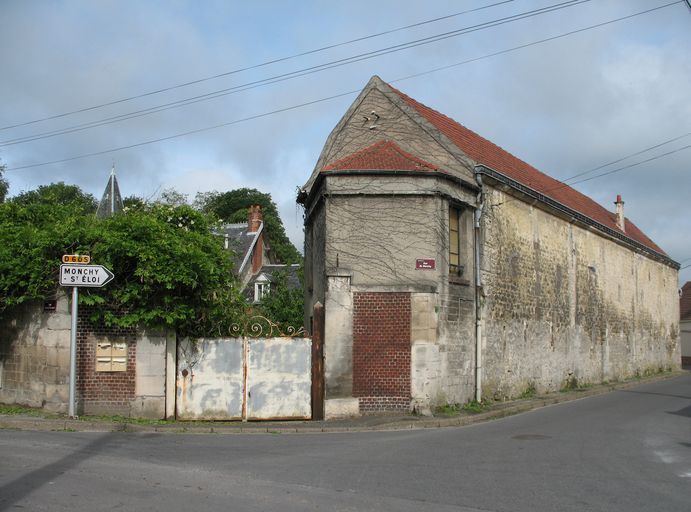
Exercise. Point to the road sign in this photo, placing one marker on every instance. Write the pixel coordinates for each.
(85, 275)
(76, 258)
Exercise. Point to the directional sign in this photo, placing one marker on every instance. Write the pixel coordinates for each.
(85, 275)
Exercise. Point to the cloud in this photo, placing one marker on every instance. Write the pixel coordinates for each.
(564, 106)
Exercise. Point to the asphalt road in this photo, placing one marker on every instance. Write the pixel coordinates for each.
(628, 450)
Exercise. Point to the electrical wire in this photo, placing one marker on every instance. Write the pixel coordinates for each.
(328, 98)
(295, 74)
(256, 66)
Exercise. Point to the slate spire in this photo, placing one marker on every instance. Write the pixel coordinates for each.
(111, 202)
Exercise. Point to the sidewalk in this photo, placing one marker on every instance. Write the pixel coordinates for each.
(358, 424)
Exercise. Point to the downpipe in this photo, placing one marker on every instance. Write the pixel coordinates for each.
(478, 292)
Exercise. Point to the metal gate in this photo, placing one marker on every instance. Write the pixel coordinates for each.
(245, 377)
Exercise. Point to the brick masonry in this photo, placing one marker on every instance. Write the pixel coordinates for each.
(103, 392)
(381, 351)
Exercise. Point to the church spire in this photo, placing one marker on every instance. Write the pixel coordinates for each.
(111, 202)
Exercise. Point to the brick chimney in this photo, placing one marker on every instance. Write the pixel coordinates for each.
(254, 218)
(621, 224)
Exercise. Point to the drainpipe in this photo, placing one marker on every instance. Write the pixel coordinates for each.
(478, 294)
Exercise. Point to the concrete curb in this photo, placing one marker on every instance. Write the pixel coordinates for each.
(363, 424)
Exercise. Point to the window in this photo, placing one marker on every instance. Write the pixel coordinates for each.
(261, 288)
(455, 262)
(111, 356)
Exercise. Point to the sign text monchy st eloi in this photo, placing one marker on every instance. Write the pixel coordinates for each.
(84, 275)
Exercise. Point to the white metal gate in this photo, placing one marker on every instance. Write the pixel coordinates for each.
(244, 378)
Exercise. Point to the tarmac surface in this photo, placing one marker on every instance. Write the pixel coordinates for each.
(355, 424)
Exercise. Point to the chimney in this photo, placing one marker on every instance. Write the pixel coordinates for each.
(254, 218)
(620, 213)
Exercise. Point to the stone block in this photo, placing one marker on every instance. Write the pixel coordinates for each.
(341, 408)
(150, 407)
(152, 385)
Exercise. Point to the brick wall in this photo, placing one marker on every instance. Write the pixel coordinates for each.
(103, 392)
(381, 351)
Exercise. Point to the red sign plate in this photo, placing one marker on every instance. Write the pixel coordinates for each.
(428, 264)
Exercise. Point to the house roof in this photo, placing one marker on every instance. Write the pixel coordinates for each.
(489, 154)
(382, 155)
(685, 302)
(239, 241)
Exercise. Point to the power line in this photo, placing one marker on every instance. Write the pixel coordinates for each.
(669, 141)
(294, 107)
(295, 74)
(256, 66)
(613, 171)
(657, 157)
(178, 135)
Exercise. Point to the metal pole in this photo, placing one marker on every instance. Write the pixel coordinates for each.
(73, 351)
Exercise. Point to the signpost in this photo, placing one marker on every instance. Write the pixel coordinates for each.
(76, 272)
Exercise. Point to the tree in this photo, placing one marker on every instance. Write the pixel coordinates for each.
(4, 186)
(171, 270)
(232, 206)
(284, 305)
(58, 194)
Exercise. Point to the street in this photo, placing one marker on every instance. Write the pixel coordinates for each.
(627, 450)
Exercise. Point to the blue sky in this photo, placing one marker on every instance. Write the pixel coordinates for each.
(565, 106)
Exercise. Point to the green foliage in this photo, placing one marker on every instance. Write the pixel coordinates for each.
(133, 201)
(284, 305)
(232, 207)
(36, 229)
(58, 194)
(529, 392)
(475, 407)
(170, 269)
(4, 186)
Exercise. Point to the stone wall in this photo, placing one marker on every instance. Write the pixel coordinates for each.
(566, 306)
(35, 356)
(685, 328)
(35, 352)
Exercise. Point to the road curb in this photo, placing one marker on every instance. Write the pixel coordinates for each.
(496, 411)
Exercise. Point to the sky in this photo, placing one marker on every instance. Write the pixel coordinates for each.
(588, 96)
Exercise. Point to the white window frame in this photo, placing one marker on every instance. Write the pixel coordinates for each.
(262, 287)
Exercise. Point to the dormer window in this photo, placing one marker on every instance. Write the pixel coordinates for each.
(262, 287)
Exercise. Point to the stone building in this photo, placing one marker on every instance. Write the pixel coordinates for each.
(450, 270)
(685, 323)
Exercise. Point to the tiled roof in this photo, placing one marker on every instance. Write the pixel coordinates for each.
(685, 302)
(383, 155)
(239, 241)
(486, 153)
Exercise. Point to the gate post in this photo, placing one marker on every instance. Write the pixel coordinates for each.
(318, 362)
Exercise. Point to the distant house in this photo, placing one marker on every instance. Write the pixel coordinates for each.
(685, 323)
(254, 263)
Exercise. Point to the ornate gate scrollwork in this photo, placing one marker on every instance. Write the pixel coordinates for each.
(261, 327)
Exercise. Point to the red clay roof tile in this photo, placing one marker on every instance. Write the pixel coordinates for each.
(485, 152)
(384, 155)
